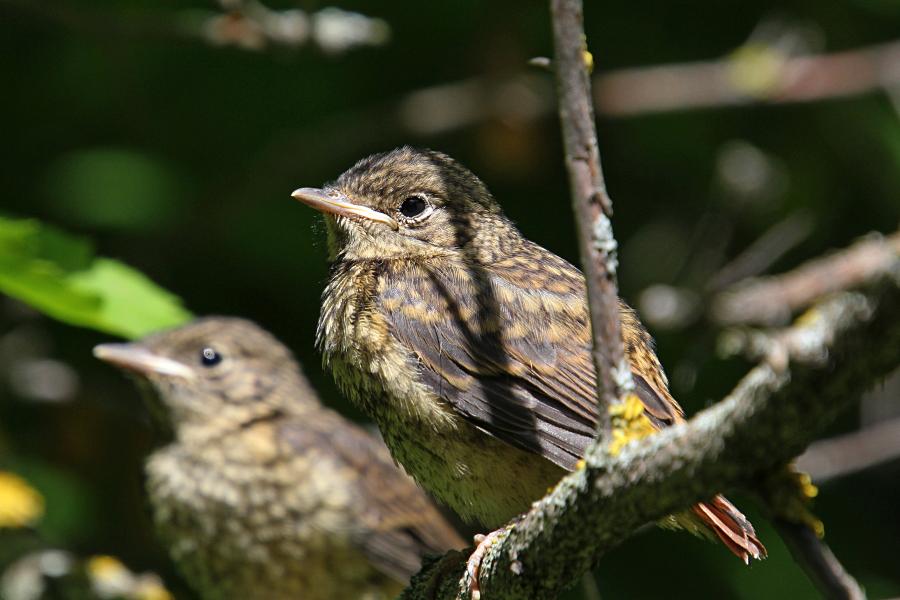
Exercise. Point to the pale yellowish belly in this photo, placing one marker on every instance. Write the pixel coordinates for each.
(478, 476)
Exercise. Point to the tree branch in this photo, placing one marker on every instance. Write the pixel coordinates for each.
(756, 258)
(770, 300)
(591, 204)
(853, 452)
(246, 24)
(818, 561)
(845, 345)
(752, 74)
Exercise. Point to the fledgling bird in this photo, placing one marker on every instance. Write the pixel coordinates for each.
(257, 489)
(470, 345)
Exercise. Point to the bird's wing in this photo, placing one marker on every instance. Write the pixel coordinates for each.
(398, 524)
(509, 348)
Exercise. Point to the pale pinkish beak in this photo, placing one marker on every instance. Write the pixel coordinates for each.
(139, 360)
(336, 203)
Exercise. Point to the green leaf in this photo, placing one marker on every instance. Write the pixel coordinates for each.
(59, 275)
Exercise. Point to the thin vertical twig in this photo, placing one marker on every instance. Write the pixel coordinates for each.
(591, 203)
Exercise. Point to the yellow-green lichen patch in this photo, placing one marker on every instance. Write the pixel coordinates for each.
(628, 423)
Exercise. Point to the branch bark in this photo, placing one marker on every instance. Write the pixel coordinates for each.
(591, 204)
(845, 345)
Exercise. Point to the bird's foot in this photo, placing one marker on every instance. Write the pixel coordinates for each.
(482, 545)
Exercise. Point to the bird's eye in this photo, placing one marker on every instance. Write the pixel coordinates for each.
(210, 357)
(413, 206)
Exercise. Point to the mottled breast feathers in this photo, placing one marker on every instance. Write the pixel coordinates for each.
(398, 524)
(507, 344)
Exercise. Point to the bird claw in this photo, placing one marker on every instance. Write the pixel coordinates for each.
(482, 545)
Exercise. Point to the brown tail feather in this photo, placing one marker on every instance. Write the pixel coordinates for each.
(731, 527)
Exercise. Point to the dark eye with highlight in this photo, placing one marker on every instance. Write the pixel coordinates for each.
(413, 206)
(210, 357)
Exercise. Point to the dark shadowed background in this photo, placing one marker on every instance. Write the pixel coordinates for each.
(122, 124)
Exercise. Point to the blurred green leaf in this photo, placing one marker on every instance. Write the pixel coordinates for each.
(58, 274)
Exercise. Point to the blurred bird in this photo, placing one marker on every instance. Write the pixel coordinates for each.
(258, 490)
(470, 345)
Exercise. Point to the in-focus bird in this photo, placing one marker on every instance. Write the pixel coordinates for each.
(470, 345)
(257, 489)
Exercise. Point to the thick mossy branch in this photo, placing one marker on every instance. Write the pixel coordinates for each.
(780, 406)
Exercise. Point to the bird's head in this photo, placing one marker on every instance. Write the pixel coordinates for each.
(408, 203)
(213, 369)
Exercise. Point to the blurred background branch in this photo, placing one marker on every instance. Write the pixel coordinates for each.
(759, 71)
(244, 24)
(772, 300)
(850, 453)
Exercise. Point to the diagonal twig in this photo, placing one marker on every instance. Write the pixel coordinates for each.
(770, 300)
(818, 562)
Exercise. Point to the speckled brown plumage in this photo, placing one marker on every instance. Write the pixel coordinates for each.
(469, 344)
(260, 492)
